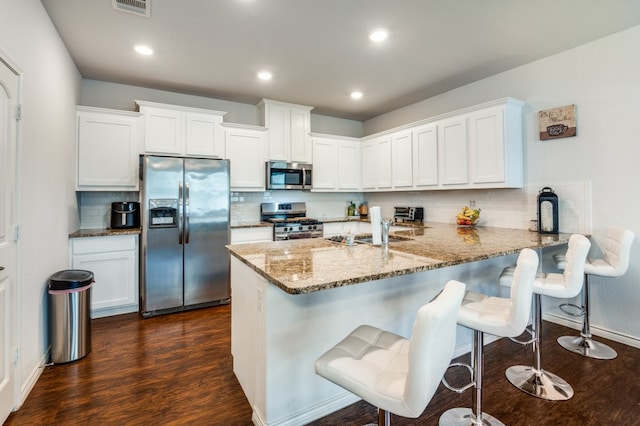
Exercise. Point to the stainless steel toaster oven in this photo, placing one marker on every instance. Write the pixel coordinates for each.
(408, 214)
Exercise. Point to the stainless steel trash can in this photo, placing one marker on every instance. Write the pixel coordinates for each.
(70, 314)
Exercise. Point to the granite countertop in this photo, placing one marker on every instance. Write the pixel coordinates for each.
(250, 224)
(103, 232)
(308, 265)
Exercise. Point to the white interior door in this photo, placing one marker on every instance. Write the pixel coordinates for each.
(8, 103)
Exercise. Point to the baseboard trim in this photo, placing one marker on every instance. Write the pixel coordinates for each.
(309, 414)
(596, 331)
(32, 379)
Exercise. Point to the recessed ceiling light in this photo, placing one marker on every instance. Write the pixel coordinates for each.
(356, 95)
(144, 50)
(378, 35)
(265, 75)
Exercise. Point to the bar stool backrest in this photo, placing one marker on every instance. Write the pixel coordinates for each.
(522, 290)
(577, 252)
(433, 341)
(616, 248)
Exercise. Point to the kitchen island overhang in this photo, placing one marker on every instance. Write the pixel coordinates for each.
(291, 301)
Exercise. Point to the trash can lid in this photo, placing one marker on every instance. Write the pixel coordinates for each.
(69, 279)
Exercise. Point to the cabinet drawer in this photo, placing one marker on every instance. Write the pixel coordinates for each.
(251, 235)
(103, 244)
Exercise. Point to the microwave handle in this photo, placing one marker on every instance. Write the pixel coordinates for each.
(304, 178)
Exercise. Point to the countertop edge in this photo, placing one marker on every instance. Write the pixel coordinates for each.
(104, 232)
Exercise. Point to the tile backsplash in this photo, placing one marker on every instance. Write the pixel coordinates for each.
(503, 208)
(95, 207)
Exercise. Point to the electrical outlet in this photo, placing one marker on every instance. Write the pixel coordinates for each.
(472, 203)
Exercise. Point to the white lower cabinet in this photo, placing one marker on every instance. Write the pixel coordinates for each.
(252, 235)
(114, 263)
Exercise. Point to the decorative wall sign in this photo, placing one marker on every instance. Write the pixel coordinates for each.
(557, 122)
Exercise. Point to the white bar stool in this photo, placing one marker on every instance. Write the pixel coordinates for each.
(616, 249)
(498, 316)
(534, 380)
(395, 374)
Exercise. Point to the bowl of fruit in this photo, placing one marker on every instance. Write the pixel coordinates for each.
(468, 217)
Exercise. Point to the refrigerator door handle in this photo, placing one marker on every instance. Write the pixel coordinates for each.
(180, 215)
(186, 213)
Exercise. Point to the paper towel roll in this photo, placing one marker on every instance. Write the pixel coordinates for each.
(376, 230)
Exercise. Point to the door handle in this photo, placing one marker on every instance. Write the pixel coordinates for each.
(180, 215)
(186, 213)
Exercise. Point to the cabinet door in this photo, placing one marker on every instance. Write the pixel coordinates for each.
(251, 235)
(452, 143)
(425, 156)
(333, 228)
(278, 122)
(245, 151)
(203, 136)
(368, 165)
(107, 152)
(383, 163)
(348, 165)
(116, 279)
(486, 146)
(300, 140)
(402, 160)
(324, 167)
(163, 131)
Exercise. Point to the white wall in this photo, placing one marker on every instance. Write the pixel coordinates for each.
(47, 202)
(602, 79)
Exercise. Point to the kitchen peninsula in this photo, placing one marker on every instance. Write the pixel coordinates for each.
(292, 300)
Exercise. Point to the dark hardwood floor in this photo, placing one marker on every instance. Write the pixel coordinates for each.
(176, 370)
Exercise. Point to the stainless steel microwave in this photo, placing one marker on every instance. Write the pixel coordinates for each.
(283, 175)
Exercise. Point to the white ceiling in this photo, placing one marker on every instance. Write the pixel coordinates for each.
(318, 50)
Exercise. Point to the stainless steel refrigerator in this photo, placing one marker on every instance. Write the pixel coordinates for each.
(185, 227)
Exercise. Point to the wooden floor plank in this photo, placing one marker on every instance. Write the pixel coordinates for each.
(177, 370)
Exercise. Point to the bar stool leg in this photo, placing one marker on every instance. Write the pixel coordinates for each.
(534, 380)
(472, 416)
(583, 344)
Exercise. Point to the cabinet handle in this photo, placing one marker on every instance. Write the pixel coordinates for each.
(187, 212)
(1, 268)
(180, 213)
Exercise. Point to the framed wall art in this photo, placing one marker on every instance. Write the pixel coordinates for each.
(557, 122)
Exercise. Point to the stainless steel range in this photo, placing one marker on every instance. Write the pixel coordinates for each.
(290, 221)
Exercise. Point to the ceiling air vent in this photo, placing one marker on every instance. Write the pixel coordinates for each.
(137, 7)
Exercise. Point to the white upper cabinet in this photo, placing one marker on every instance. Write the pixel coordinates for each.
(376, 164)
(336, 165)
(478, 147)
(289, 130)
(349, 162)
(107, 146)
(177, 130)
(495, 146)
(452, 158)
(325, 167)
(245, 148)
(402, 159)
(425, 156)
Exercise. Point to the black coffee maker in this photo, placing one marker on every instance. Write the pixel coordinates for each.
(125, 214)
